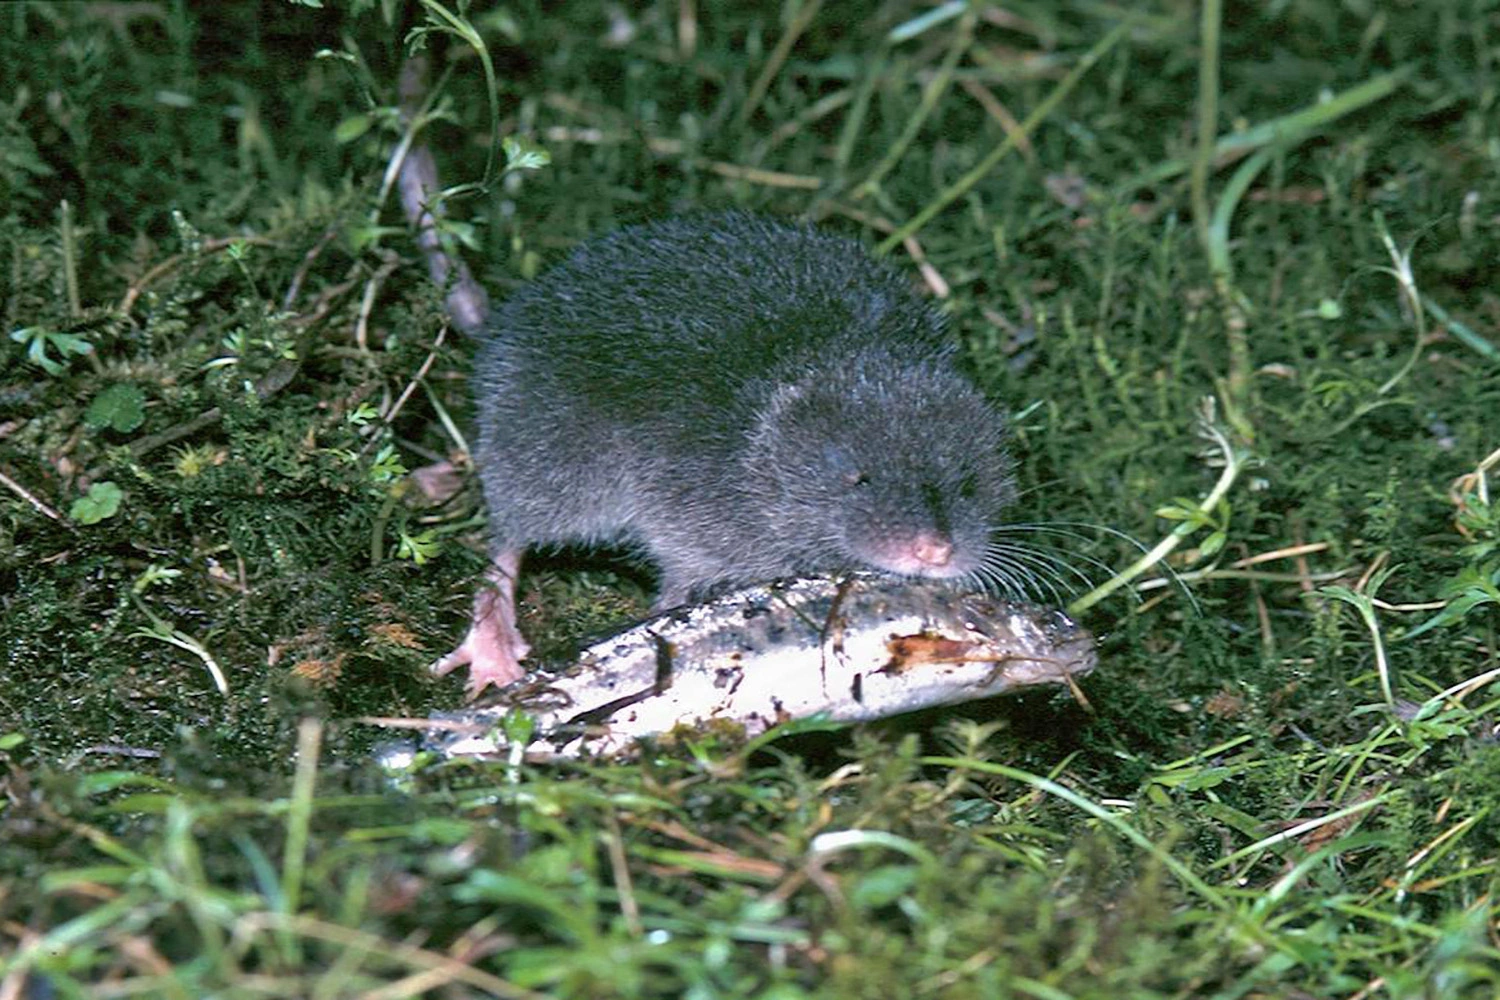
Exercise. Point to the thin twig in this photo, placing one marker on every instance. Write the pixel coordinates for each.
(29, 497)
(171, 263)
(411, 387)
(308, 259)
(416, 173)
(367, 303)
(1008, 122)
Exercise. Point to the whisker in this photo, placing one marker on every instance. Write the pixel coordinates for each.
(1053, 560)
(1057, 564)
(1037, 584)
(1015, 579)
(1085, 531)
(1037, 488)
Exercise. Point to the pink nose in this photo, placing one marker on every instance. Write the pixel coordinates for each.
(935, 552)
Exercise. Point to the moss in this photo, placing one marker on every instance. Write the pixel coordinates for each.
(225, 255)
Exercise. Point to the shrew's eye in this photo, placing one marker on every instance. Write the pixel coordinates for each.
(840, 463)
(968, 487)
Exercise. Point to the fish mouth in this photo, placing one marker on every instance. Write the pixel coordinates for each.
(1072, 650)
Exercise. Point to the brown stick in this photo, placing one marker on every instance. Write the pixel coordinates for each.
(467, 302)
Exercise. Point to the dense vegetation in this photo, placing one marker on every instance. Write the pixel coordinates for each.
(1168, 243)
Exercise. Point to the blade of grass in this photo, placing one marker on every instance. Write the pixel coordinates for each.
(442, 19)
(1470, 339)
(298, 824)
(1208, 119)
(1184, 874)
(1200, 516)
(1299, 123)
(778, 57)
(967, 182)
(963, 37)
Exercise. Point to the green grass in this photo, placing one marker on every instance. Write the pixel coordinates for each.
(1286, 783)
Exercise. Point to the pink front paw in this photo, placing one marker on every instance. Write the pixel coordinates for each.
(490, 657)
(494, 648)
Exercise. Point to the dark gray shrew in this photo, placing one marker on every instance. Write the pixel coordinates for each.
(741, 399)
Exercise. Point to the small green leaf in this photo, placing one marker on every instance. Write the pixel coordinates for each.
(419, 548)
(503, 22)
(1454, 611)
(361, 236)
(463, 232)
(120, 407)
(531, 264)
(1182, 509)
(523, 154)
(362, 414)
(1212, 544)
(518, 727)
(884, 886)
(102, 501)
(40, 342)
(387, 465)
(151, 576)
(351, 128)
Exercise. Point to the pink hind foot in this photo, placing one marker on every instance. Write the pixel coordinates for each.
(493, 647)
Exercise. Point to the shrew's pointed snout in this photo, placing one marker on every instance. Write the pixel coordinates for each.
(932, 551)
(923, 553)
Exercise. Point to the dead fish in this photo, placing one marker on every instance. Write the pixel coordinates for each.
(852, 649)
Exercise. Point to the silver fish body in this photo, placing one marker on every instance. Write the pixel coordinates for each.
(852, 649)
